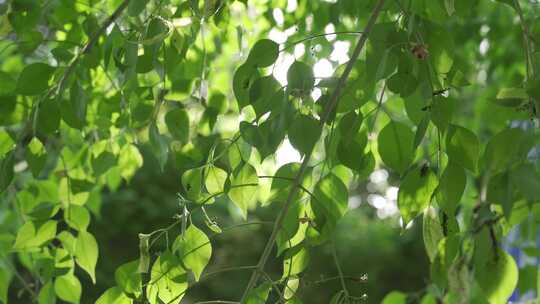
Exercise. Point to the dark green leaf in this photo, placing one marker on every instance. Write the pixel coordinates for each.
(300, 79)
(329, 202)
(527, 179)
(48, 116)
(177, 121)
(304, 133)
(503, 149)
(159, 145)
(263, 53)
(34, 79)
(415, 193)
(462, 147)
(243, 79)
(451, 187)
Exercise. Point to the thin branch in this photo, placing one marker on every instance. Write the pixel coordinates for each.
(298, 180)
(318, 36)
(292, 180)
(340, 272)
(526, 42)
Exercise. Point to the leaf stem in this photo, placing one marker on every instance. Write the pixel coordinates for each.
(340, 271)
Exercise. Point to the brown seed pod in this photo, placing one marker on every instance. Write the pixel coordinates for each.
(420, 51)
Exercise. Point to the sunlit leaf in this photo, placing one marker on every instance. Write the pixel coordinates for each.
(86, 253)
(415, 193)
(194, 249)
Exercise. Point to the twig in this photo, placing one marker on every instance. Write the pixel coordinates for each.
(340, 272)
(88, 47)
(298, 180)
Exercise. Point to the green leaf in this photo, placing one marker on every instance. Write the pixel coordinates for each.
(244, 187)
(263, 53)
(462, 147)
(511, 97)
(442, 111)
(6, 143)
(503, 149)
(68, 288)
(136, 7)
(128, 279)
(159, 145)
(7, 84)
(415, 193)
(451, 187)
(46, 294)
(177, 121)
(497, 277)
(350, 151)
(431, 232)
(48, 116)
(265, 94)
(527, 180)
(192, 183)
(395, 297)
(36, 156)
(34, 79)
(32, 235)
(300, 79)
(86, 253)
(69, 242)
(103, 162)
(265, 138)
(77, 106)
(194, 249)
(114, 295)
(284, 179)
(7, 164)
(501, 191)
(295, 261)
(5, 280)
(77, 217)
(243, 79)
(395, 145)
(259, 295)
(304, 133)
(329, 202)
(129, 161)
(215, 179)
(168, 280)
